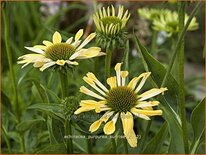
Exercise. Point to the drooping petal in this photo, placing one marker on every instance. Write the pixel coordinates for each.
(89, 53)
(151, 93)
(144, 78)
(87, 40)
(42, 47)
(118, 70)
(36, 50)
(143, 116)
(109, 127)
(92, 76)
(92, 84)
(95, 126)
(112, 82)
(147, 112)
(123, 75)
(38, 64)
(128, 123)
(143, 104)
(86, 91)
(132, 84)
(47, 65)
(72, 62)
(56, 38)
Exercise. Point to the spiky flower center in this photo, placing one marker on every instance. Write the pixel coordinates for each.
(121, 99)
(111, 20)
(59, 51)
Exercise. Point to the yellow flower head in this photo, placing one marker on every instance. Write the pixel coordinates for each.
(150, 13)
(168, 22)
(58, 53)
(110, 26)
(122, 100)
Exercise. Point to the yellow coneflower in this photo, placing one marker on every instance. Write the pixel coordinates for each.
(58, 53)
(168, 22)
(110, 26)
(122, 100)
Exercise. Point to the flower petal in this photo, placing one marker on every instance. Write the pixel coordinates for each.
(118, 70)
(128, 123)
(79, 35)
(109, 127)
(69, 41)
(86, 91)
(151, 93)
(147, 112)
(89, 53)
(60, 62)
(56, 38)
(47, 43)
(36, 50)
(47, 65)
(87, 40)
(42, 47)
(112, 82)
(95, 126)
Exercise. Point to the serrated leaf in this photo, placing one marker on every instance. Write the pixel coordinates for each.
(25, 125)
(154, 146)
(198, 125)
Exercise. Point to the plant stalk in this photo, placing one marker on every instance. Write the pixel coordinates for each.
(154, 42)
(67, 123)
(108, 62)
(181, 97)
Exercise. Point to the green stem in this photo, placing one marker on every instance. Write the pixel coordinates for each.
(68, 132)
(89, 145)
(108, 62)
(182, 34)
(63, 81)
(124, 141)
(181, 97)
(114, 147)
(144, 138)
(67, 123)
(154, 42)
(9, 57)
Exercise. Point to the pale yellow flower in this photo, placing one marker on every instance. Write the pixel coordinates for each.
(110, 26)
(168, 22)
(121, 100)
(58, 53)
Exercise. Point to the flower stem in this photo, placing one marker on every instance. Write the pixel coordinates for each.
(89, 145)
(9, 57)
(108, 62)
(124, 140)
(182, 34)
(114, 147)
(67, 123)
(181, 97)
(63, 81)
(154, 42)
(68, 132)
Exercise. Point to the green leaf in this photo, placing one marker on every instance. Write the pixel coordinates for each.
(198, 125)
(173, 120)
(154, 146)
(158, 72)
(53, 110)
(54, 149)
(176, 138)
(25, 125)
